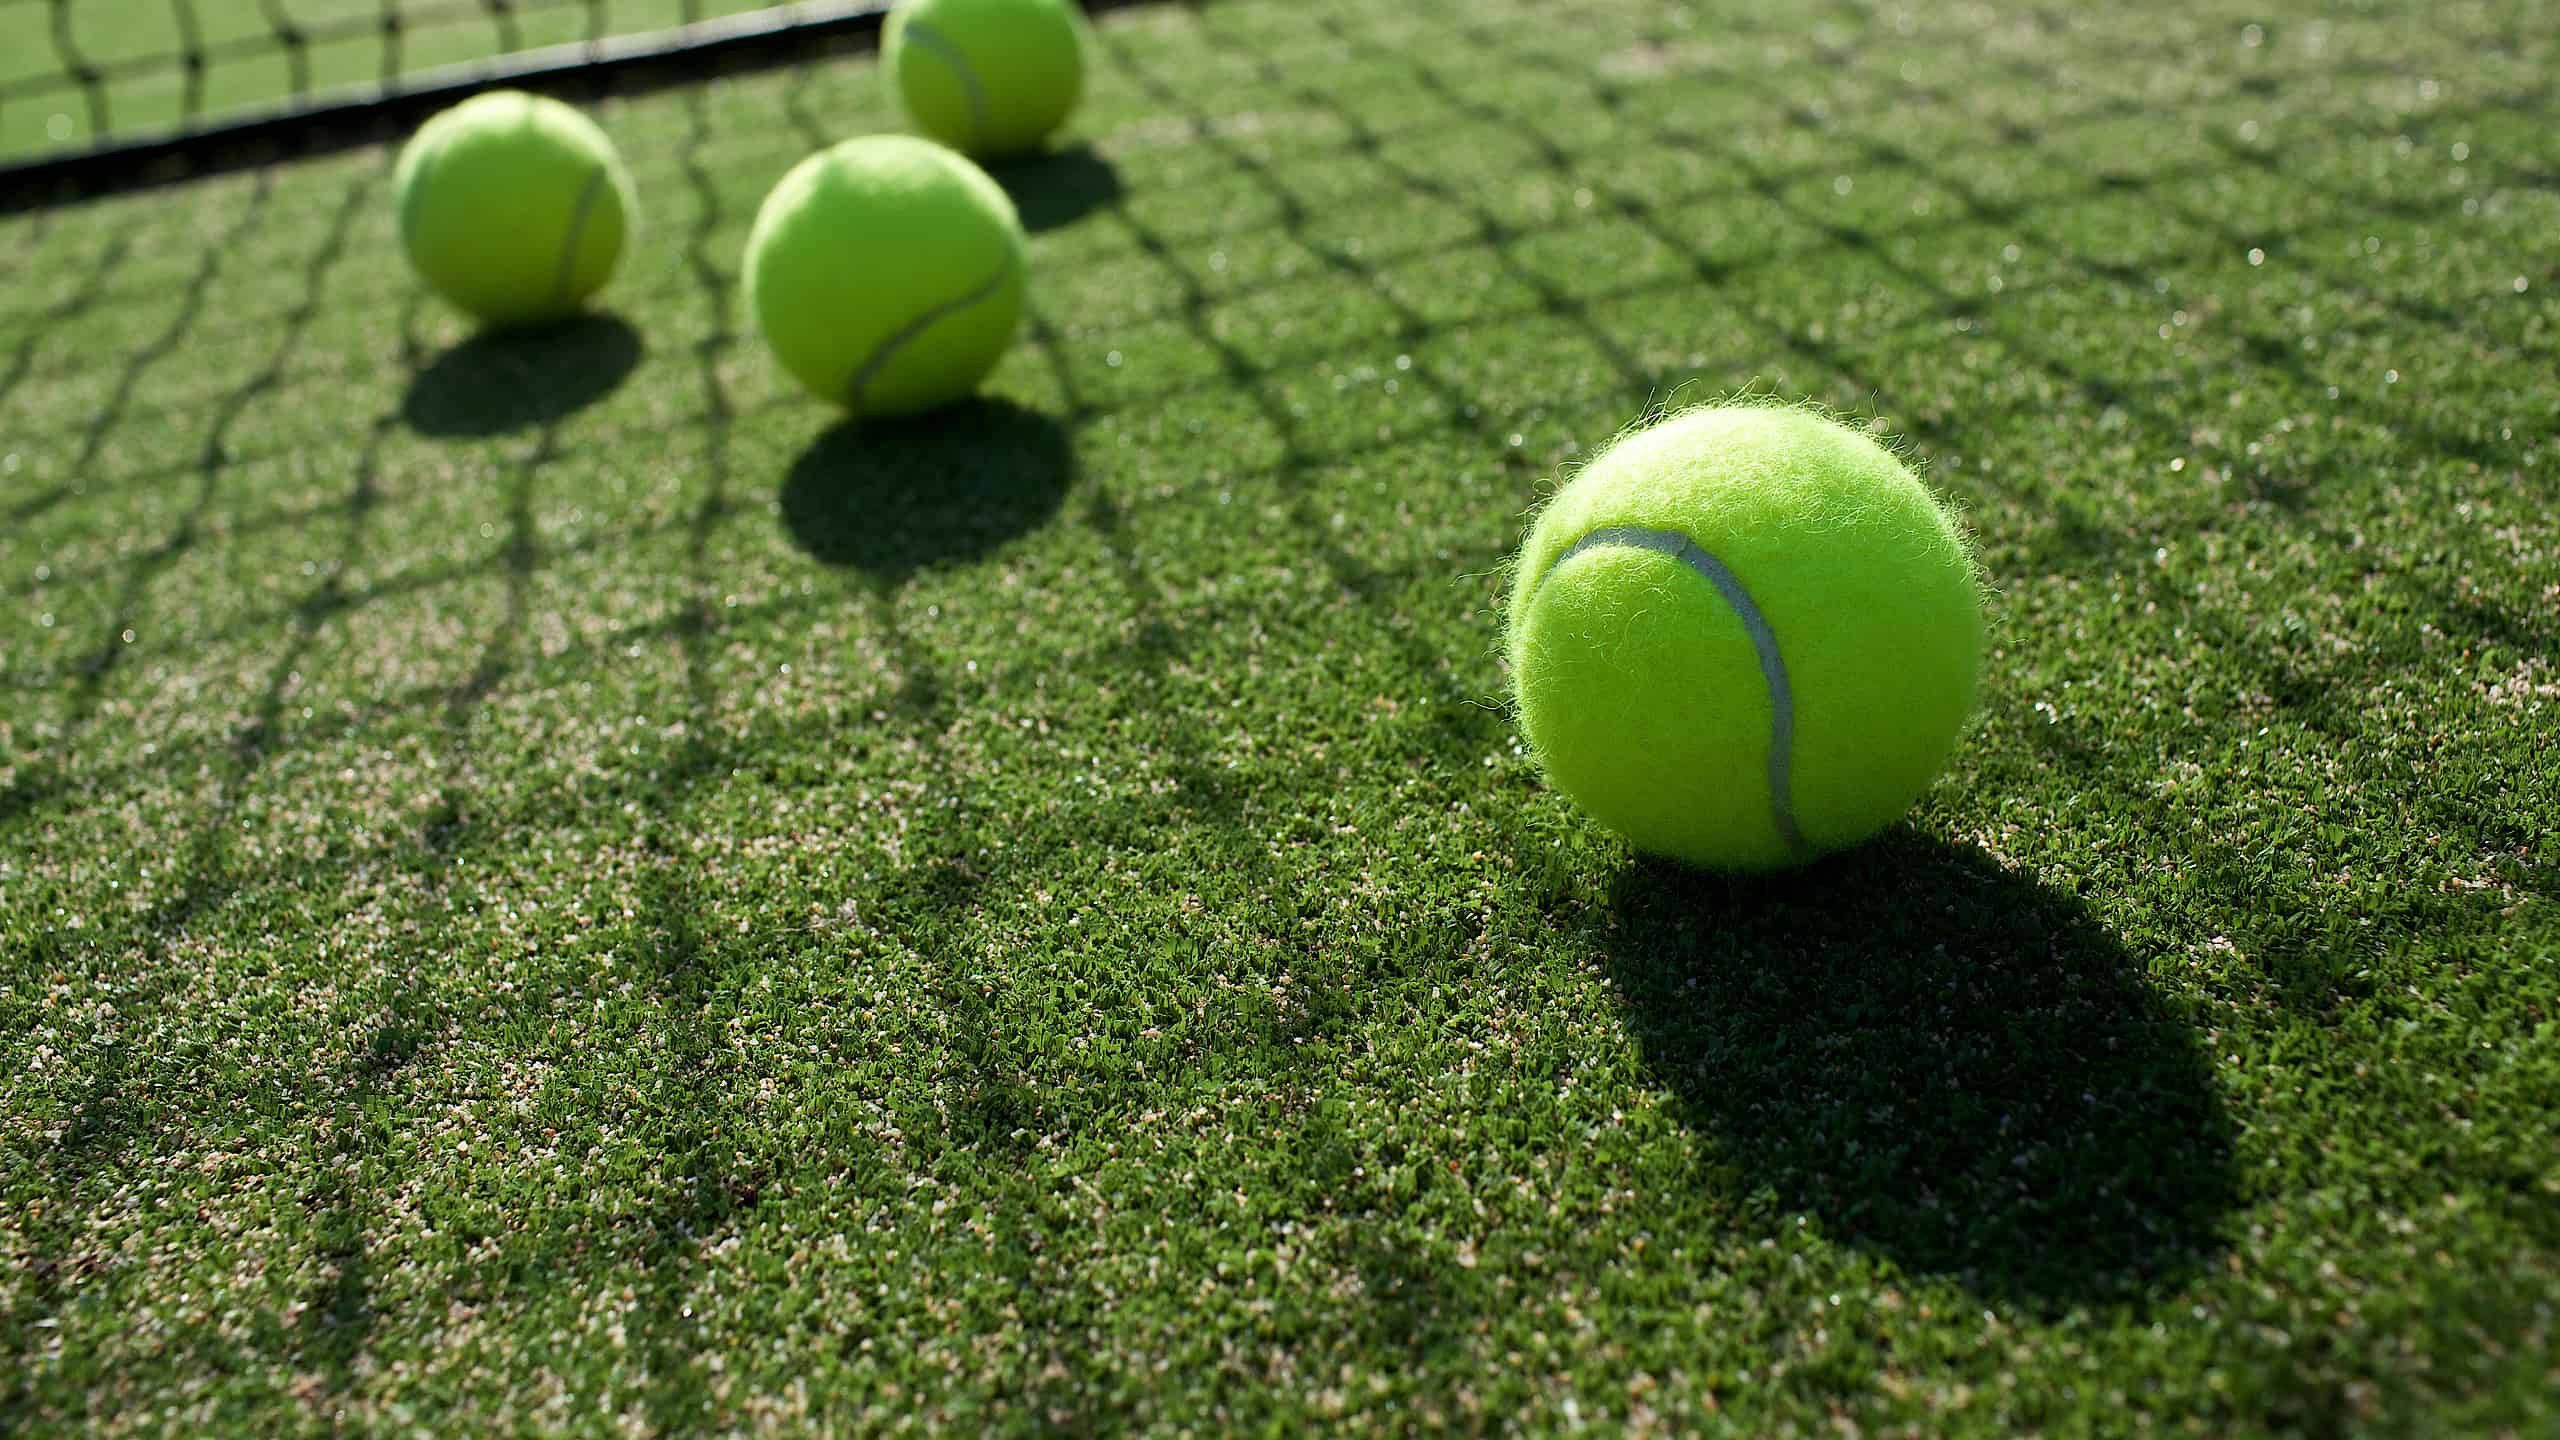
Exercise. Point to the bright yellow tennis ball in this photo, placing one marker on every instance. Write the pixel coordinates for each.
(887, 274)
(1744, 637)
(991, 77)
(513, 207)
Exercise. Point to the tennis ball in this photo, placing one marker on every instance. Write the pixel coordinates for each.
(991, 77)
(1744, 637)
(887, 274)
(512, 206)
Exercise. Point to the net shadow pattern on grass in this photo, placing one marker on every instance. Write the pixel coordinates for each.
(1061, 178)
(687, 970)
(1468, 418)
(1049, 185)
(113, 1113)
(1464, 417)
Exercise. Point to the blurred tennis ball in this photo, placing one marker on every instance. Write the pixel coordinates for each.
(1744, 637)
(513, 207)
(887, 274)
(991, 77)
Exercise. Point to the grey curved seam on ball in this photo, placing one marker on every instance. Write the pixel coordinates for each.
(931, 39)
(577, 232)
(1773, 664)
(888, 349)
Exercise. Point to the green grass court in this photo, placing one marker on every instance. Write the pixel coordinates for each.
(547, 887)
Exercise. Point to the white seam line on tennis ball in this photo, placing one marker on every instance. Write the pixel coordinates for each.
(932, 39)
(577, 231)
(898, 339)
(1773, 663)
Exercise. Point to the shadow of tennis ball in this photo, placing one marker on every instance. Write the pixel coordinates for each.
(1058, 187)
(501, 381)
(892, 497)
(1942, 1060)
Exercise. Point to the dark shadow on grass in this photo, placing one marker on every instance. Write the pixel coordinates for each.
(1059, 188)
(497, 382)
(890, 498)
(1941, 1061)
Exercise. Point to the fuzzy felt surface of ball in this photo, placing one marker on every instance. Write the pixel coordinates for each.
(887, 274)
(514, 207)
(989, 77)
(1744, 637)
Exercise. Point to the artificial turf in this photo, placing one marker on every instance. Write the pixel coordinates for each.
(545, 886)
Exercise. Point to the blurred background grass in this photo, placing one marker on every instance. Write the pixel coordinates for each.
(256, 53)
